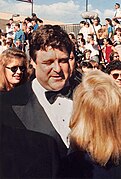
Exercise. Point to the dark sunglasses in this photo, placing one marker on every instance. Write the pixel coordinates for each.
(15, 68)
(116, 75)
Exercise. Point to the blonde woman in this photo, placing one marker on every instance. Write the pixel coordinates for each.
(13, 69)
(95, 129)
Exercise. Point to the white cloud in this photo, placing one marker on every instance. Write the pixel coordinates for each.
(64, 12)
(61, 11)
(68, 12)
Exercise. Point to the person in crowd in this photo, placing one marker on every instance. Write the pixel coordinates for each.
(114, 56)
(116, 24)
(3, 38)
(81, 45)
(28, 20)
(117, 36)
(13, 69)
(39, 21)
(117, 14)
(92, 45)
(94, 62)
(40, 108)
(9, 43)
(100, 36)
(85, 67)
(72, 37)
(117, 41)
(85, 30)
(114, 70)
(95, 137)
(109, 26)
(9, 31)
(19, 34)
(95, 27)
(75, 74)
(81, 25)
(35, 24)
(10, 27)
(107, 49)
(87, 55)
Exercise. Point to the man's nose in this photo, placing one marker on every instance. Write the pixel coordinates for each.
(119, 77)
(56, 66)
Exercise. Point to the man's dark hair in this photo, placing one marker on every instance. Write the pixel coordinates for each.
(112, 55)
(86, 64)
(114, 65)
(28, 19)
(117, 4)
(18, 25)
(11, 19)
(49, 35)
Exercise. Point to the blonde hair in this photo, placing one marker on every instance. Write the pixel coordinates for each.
(5, 58)
(96, 120)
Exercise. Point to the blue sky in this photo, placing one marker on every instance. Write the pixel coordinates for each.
(67, 11)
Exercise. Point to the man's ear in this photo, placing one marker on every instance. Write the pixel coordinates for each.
(33, 63)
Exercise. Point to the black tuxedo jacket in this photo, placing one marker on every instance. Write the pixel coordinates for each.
(21, 109)
(27, 154)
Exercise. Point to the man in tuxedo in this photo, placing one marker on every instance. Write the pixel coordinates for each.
(43, 104)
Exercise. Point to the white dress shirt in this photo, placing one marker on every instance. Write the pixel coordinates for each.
(118, 14)
(59, 112)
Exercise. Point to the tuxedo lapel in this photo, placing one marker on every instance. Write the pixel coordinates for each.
(33, 116)
(24, 107)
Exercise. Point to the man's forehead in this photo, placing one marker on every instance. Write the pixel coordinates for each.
(51, 52)
(116, 71)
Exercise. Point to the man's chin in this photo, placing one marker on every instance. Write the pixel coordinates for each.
(57, 88)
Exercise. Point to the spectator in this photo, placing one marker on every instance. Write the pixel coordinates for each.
(114, 70)
(13, 68)
(109, 27)
(117, 14)
(28, 22)
(9, 30)
(117, 36)
(92, 45)
(85, 67)
(85, 30)
(87, 55)
(35, 24)
(116, 24)
(96, 26)
(107, 49)
(19, 34)
(114, 56)
(81, 25)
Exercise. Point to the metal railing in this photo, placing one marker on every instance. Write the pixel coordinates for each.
(71, 28)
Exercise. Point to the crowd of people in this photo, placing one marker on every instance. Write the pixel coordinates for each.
(60, 98)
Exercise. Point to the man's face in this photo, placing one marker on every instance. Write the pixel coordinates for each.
(52, 68)
(116, 6)
(116, 75)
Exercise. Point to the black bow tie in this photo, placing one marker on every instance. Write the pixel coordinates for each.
(52, 95)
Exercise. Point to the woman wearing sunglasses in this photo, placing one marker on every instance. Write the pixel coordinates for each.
(114, 70)
(13, 69)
